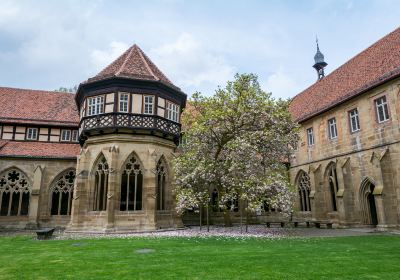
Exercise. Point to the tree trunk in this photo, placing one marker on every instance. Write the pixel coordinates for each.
(227, 218)
(201, 210)
(241, 216)
(208, 217)
(247, 218)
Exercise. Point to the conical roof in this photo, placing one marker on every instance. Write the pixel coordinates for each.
(133, 64)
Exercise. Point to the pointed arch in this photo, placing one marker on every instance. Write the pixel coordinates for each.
(100, 170)
(15, 190)
(367, 202)
(162, 179)
(61, 192)
(131, 192)
(333, 184)
(304, 188)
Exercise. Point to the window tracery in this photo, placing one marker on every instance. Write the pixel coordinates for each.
(131, 186)
(304, 188)
(61, 193)
(14, 193)
(101, 185)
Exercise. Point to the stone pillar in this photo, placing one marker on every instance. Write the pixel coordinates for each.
(380, 209)
(150, 190)
(79, 200)
(112, 188)
(34, 209)
(378, 191)
(341, 207)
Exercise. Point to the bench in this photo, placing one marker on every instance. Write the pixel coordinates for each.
(45, 233)
(296, 223)
(319, 223)
(268, 224)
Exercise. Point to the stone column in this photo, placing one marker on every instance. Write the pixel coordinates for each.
(112, 188)
(341, 208)
(79, 200)
(378, 191)
(150, 190)
(34, 209)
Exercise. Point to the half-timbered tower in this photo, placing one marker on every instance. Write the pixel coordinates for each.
(129, 129)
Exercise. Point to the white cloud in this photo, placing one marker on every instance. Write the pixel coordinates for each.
(189, 64)
(280, 84)
(101, 58)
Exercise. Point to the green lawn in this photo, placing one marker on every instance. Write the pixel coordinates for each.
(364, 257)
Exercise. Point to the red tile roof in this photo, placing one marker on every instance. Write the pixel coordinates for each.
(134, 64)
(38, 149)
(38, 107)
(375, 65)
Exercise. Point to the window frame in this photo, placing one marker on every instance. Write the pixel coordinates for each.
(74, 135)
(334, 125)
(357, 120)
(126, 102)
(384, 105)
(62, 135)
(172, 111)
(146, 103)
(36, 133)
(99, 100)
(310, 136)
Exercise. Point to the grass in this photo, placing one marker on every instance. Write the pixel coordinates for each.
(363, 257)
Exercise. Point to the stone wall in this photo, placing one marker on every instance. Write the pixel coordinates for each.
(40, 174)
(369, 156)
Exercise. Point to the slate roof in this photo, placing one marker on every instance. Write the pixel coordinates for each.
(133, 64)
(375, 65)
(38, 149)
(37, 107)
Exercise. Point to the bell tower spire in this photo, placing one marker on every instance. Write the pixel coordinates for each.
(319, 62)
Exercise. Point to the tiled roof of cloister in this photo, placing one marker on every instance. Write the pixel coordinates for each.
(375, 65)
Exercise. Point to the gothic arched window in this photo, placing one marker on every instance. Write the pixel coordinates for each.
(333, 185)
(131, 186)
(161, 177)
(14, 193)
(101, 185)
(61, 193)
(304, 188)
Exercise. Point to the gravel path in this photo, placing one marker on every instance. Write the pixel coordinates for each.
(258, 231)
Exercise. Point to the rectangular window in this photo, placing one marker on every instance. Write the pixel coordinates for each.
(172, 112)
(75, 135)
(95, 105)
(382, 110)
(354, 120)
(32, 133)
(123, 102)
(65, 135)
(148, 104)
(332, 129)
(310, 136)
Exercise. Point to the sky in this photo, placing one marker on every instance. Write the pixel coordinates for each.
(198, 44)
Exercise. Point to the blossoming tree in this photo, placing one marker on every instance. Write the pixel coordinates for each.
(236, 142)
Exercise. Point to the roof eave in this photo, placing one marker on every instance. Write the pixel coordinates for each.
(381, 80)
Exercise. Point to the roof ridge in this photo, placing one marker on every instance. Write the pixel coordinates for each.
(125, 61)
(145, 62)
(37, 90)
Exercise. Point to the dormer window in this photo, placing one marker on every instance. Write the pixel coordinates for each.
(172, 112)
(95, 105)
(32, 133)
(148, 105)
(123, 102)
